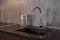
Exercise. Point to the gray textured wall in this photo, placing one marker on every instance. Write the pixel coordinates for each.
(56, 12)
(47, 11)
(11, 9)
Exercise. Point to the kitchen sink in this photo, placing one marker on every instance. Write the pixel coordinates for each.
(36, 31)
(28, 30)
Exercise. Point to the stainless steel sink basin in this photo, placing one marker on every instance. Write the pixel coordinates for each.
(37, 31)
(28, 30)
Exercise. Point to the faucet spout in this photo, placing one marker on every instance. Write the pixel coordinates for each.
(39, 11)
(37, 8)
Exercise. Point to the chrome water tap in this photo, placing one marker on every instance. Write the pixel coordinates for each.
(38, 9)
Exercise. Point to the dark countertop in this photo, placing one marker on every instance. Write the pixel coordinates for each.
(13, 28)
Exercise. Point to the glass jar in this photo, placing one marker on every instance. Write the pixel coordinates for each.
(23, 21)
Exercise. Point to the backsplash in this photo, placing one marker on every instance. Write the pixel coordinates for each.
(11, 9)
(56, 13)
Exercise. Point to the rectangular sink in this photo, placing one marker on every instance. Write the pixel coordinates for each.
(28, 30)
(35, 31)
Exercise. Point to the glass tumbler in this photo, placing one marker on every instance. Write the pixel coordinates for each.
(23, 21)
